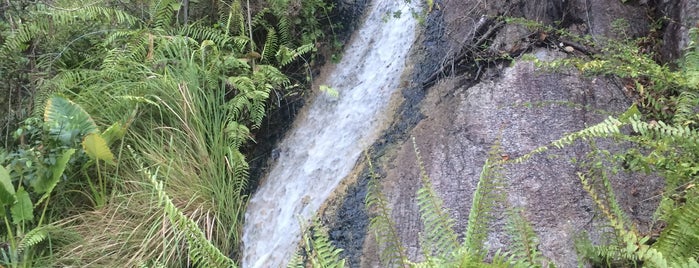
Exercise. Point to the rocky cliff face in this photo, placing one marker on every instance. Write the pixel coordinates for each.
(457, 107)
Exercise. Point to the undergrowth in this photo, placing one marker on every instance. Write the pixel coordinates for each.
(134, 153)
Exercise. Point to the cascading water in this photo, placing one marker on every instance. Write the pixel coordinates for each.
(328, 138)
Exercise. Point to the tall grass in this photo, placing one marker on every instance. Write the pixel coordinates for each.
(179, 130)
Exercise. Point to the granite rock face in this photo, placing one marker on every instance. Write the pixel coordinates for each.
(524, 108)
(456, 119)
(683, 15)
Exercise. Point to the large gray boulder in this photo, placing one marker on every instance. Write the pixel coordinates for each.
(457, 112)
(524, 109)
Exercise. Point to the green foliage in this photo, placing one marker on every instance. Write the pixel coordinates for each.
(186, 98)
(525, 243)
(22, 210)
(392, 253)
(7, 190)
(47, 184)
(317, 251)
(96, 147)
(201, 251)
(669, 150)
(487, 195)
(659, 88)
(680, 238)
(67, 120)
(439, 242)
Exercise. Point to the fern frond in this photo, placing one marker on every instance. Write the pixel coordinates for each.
(271, 45)
(680, 238)
(239, 168)
(607, 128)
(525, 242)
(320, 252)
(201, 251)
(32, 238)
(687, 109)
(392, 252)
(296, 261)
(440, 239)
(201, 33)
(660, 130)
(487, 195)
(235, 22)
(45, 19)
(162, 13)
(284, 30)
(633, 247)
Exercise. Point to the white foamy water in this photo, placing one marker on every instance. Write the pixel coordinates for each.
(329, 137)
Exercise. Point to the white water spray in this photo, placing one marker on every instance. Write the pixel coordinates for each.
(329, 137)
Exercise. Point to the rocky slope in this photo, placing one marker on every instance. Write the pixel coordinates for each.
(457, 107)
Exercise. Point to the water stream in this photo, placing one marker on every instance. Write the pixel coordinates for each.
(329, 136)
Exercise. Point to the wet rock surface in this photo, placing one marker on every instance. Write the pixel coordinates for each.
(456, 119)
(683, 15)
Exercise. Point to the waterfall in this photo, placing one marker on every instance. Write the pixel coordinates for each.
(329, 135)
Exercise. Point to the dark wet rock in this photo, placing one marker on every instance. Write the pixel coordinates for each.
(683, 15)
(348, 14)
(349, 223)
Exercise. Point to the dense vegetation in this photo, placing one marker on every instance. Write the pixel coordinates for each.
(126, 124)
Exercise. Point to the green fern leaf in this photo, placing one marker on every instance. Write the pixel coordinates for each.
(201, 251)
(487, 195)
(440, 239)
(525, 242)
(32, 238)
(392, 253)
(680, 238)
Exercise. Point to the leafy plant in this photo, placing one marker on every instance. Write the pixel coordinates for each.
(439, 242)
(317, 250)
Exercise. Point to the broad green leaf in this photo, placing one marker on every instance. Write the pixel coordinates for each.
(7, 190)
(46, 185)
(22, 210)
(67, 120)
(114, 133)
(96, 147)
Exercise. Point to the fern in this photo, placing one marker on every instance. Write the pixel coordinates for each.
(440, 240)
(486, 196)
(33, 238)
(199, 32)
(271, 46)
(201, 251)
(162, 13)
(687, 109)
(680, 238)
(392, 253)
(284, 30)
(235, 21)
(46, 18)
(318, 250)
(525, 242)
